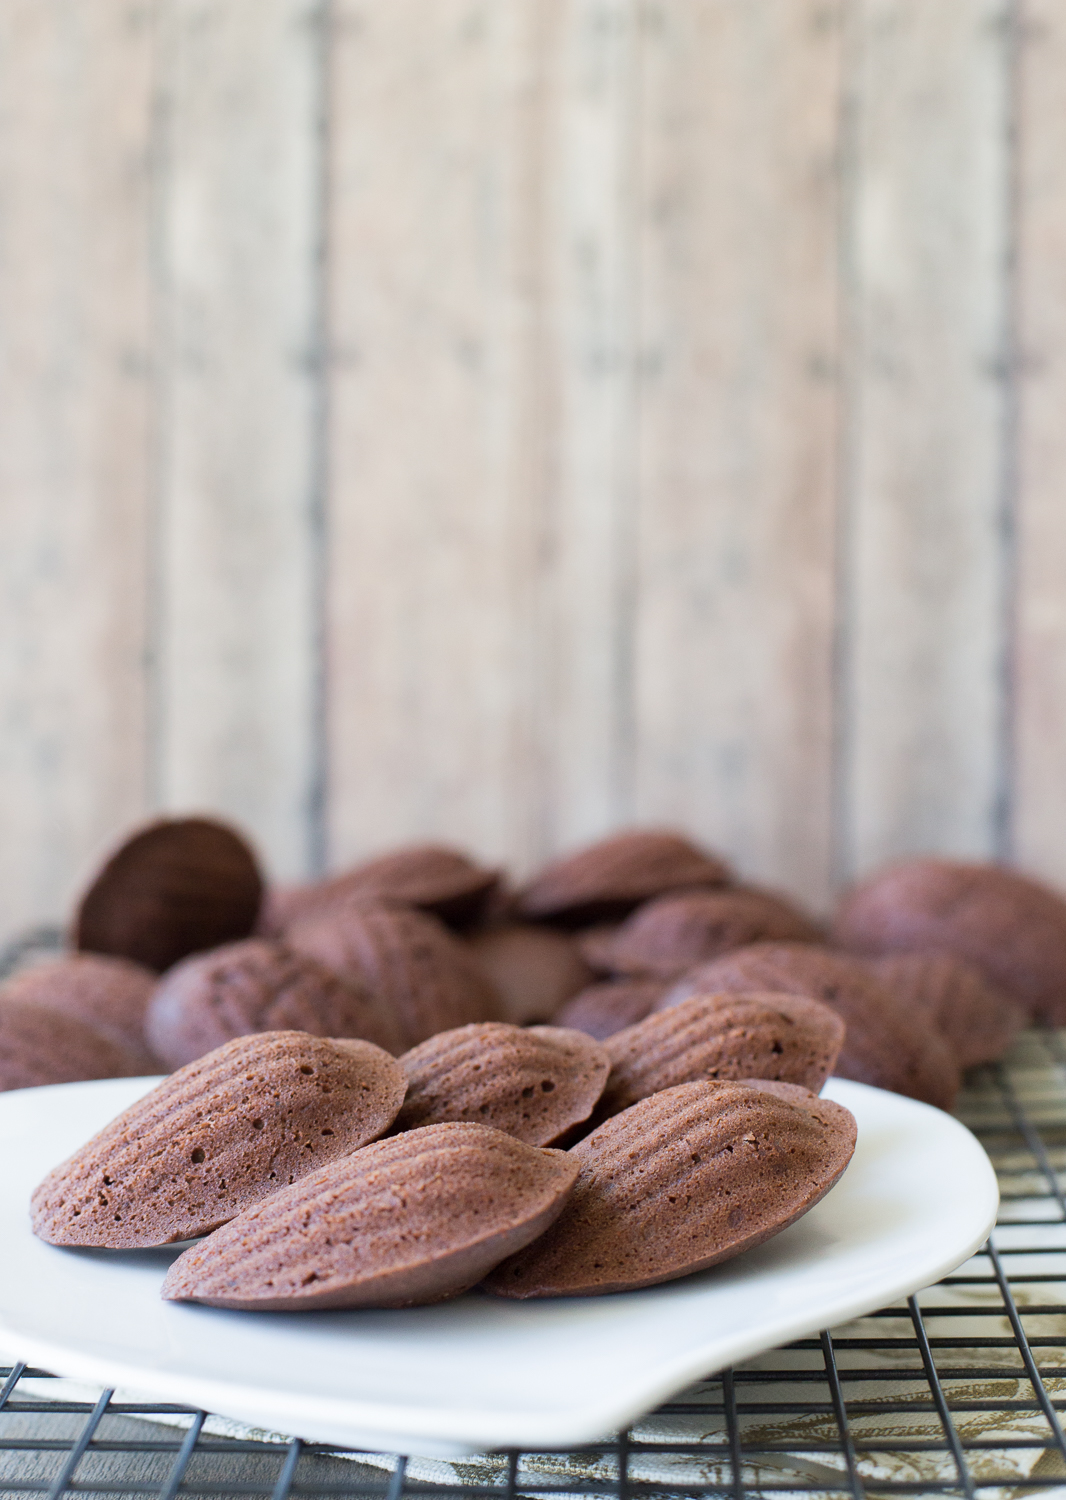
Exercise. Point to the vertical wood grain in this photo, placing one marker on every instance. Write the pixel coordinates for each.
(1039, 797)
(591, 310)
(435, 515)
(738, 429)
(924, 560)
(239, 266)
(482, 452)
(75, 111)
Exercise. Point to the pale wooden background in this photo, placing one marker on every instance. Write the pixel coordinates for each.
(503, 420)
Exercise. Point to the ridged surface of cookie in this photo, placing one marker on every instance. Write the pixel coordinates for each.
(39, 1045)
(1012, 927)
(424, 977)
(608, 879)
(666, 936)
(533, 1082)
(533, 970)
(108, 994)
(257, 985)
(978, 1020)
(605, 1008)
(792, 1093)
(433, 877)
(176, 887)
(221, 1134)
(882, 1045)
(683, 1180)
(417, 1218)
(723, 1037)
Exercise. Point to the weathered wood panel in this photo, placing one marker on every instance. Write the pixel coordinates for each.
(1039, 702)
(439, 414)
(590, 231)
(240, 480)
(924, 571)
(738, 429)
(668, 444)
(75, 110)
(483, 407)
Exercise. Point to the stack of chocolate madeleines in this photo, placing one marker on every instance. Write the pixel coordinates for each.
(324, 1173)
(633, 1002)
(178, 946)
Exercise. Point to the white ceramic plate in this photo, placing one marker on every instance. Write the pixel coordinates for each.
(917, 1199)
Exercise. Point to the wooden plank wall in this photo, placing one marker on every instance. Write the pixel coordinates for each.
(505, 421)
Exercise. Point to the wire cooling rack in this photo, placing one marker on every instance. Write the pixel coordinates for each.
(956, 1391)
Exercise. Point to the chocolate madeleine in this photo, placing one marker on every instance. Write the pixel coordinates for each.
(533, 1082)
(904, 1053)
(673, 933)
(176, 887)
(682, 1181)
(417, 1218)
(432, 877)
(424, 977)
(792, 1093)
(976, 1018)
(39, 1045)
(608, 879)
(533, 970)
(254, 986)
(729, 1036)
(108, 994)
(605, 1008)
(1012, 927)
(219, 1135)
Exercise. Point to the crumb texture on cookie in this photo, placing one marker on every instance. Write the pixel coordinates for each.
(681, 1181)
(416, 1218)
(905, 1054)
(217, 1136)
(424, 977)
(258, 985)
(533, 1082)
(725, 1036)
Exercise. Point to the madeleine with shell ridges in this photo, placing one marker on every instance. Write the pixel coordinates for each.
(610, 1006)
(978, 1020)
(1011, 926)
(175, 887)
(258, 985)
(681, 1181)
(789, 1038)
(606, 880)
(532, 1082)
(217, 1136)
(905, 1054)
(672, 933)
(417, 1218)
(39, 1046)
(110, 995)
(433, 877)
(423, 976)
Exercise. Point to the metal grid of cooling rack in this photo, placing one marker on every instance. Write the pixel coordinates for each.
(956, 1391)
